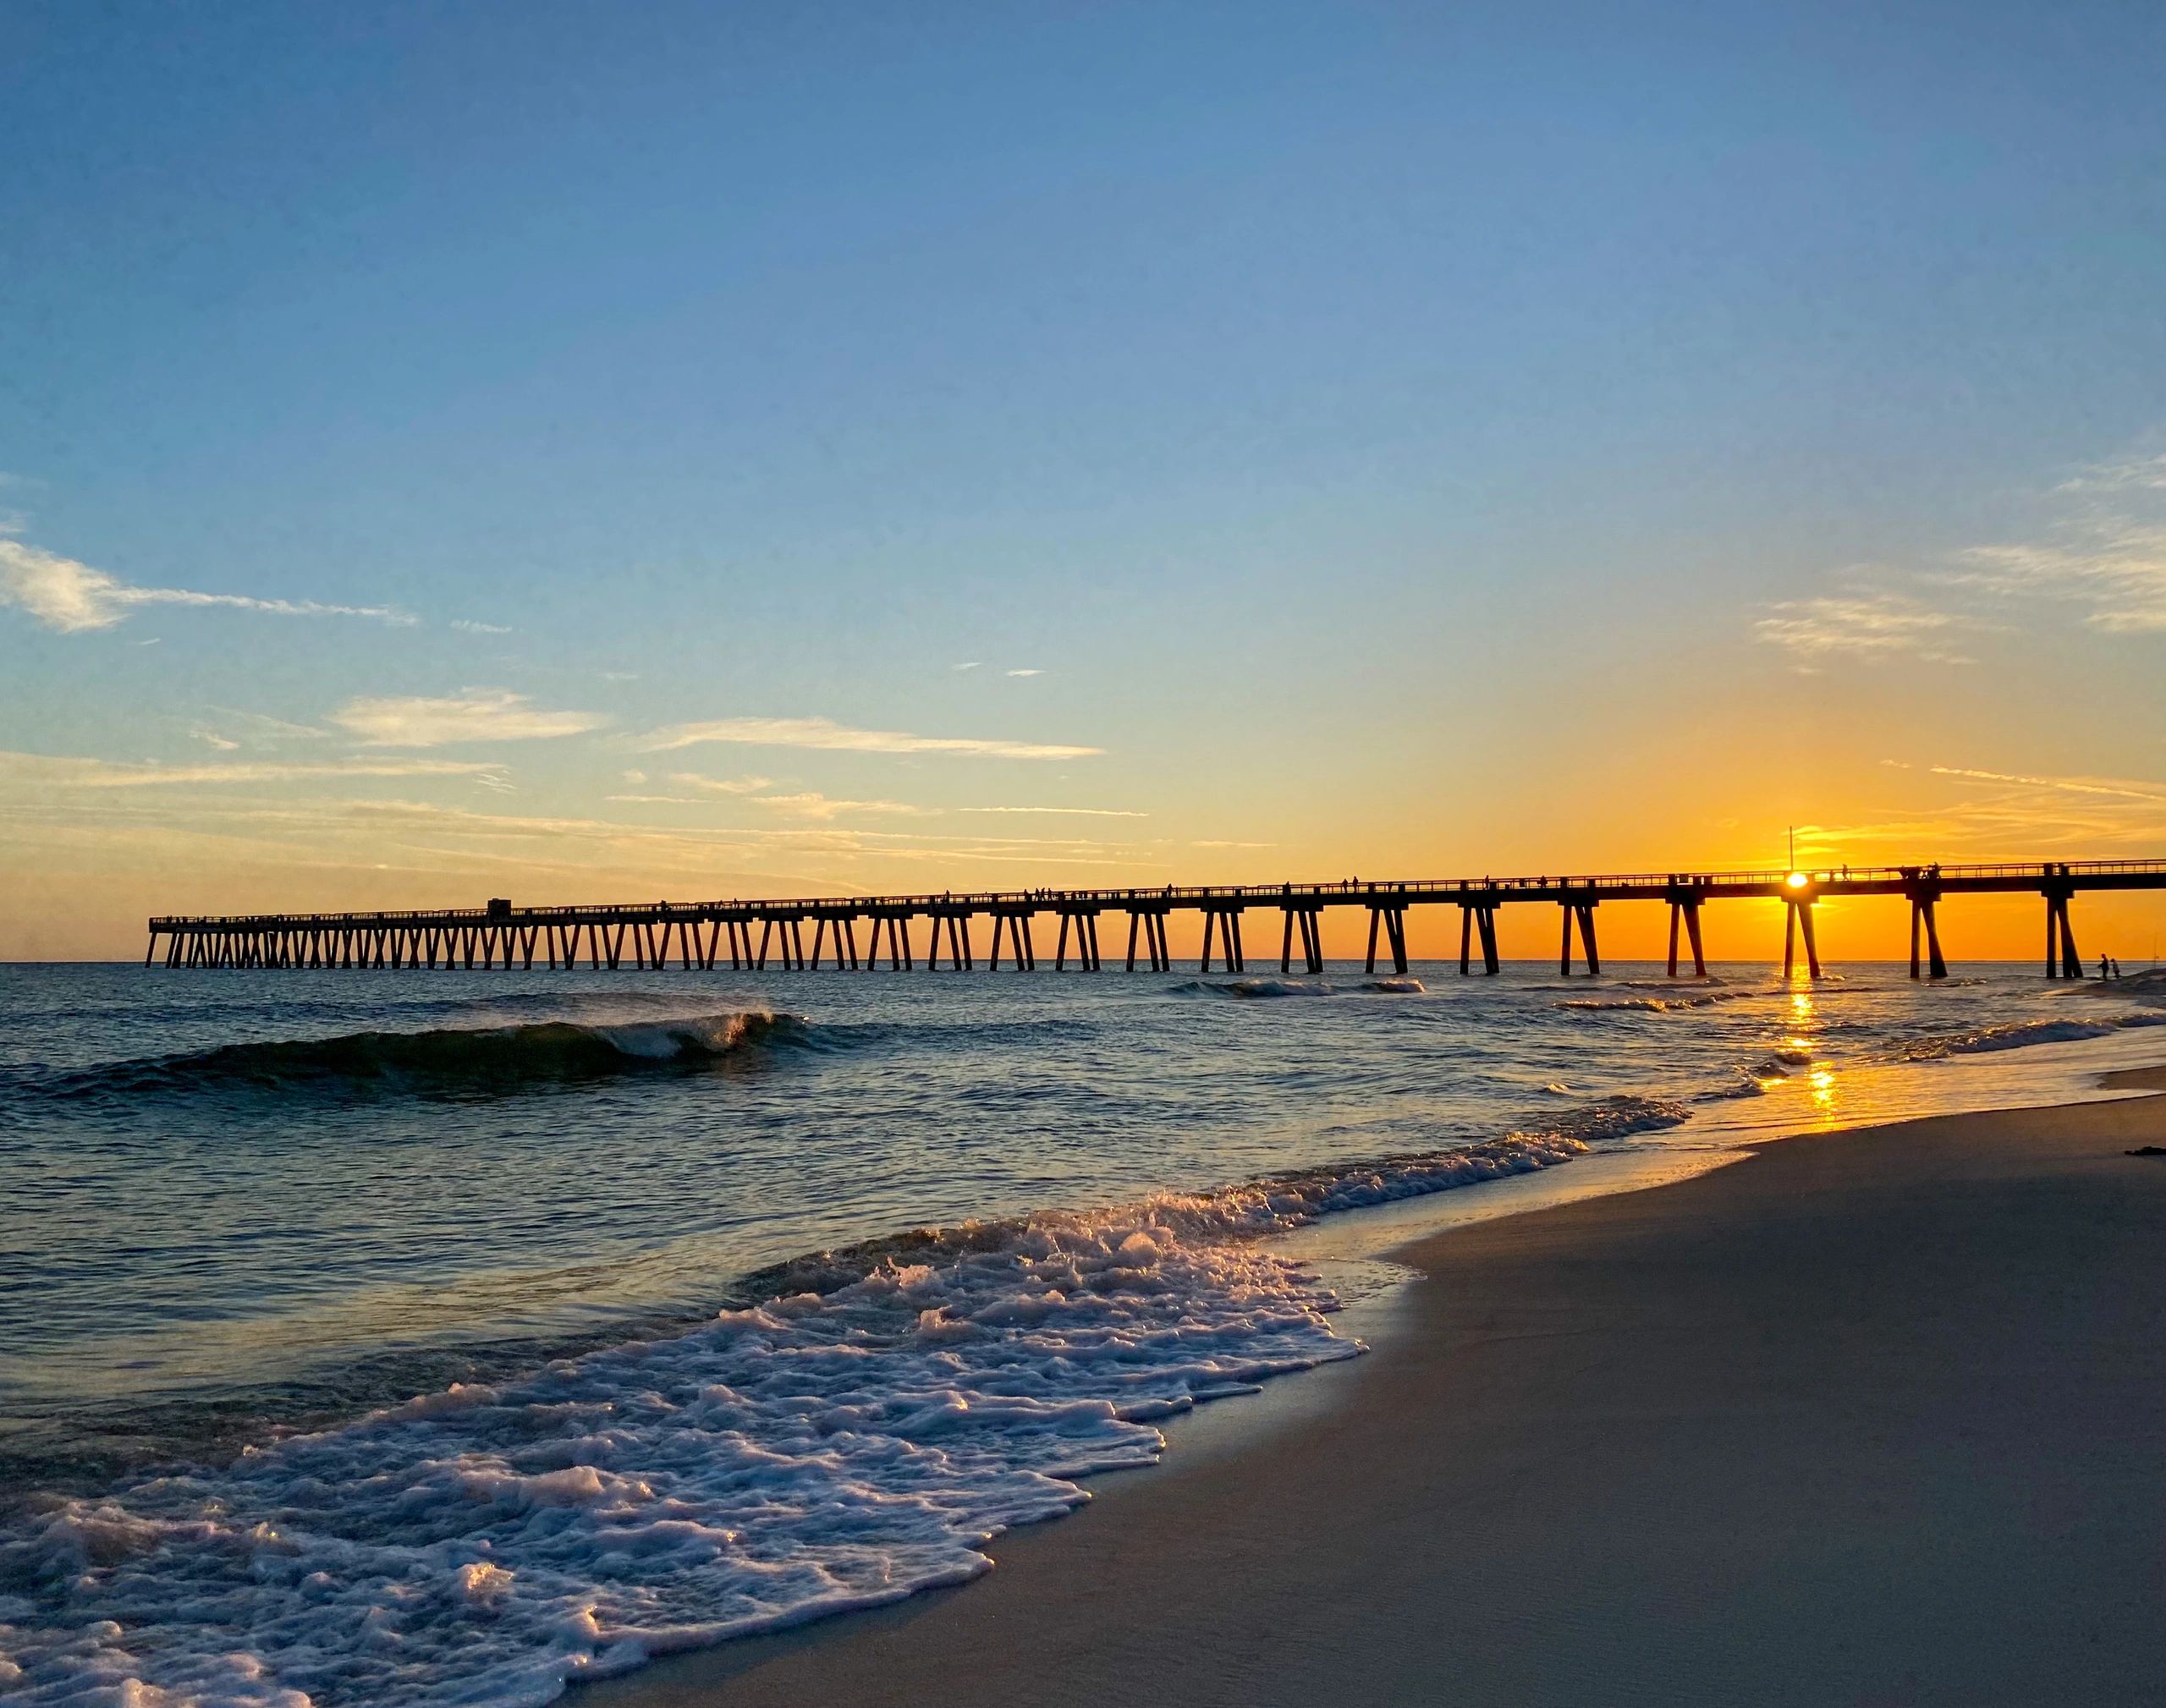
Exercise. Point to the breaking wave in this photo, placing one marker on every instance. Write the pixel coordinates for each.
(2018, 1035)
(451, 1059)
(856, 1436)
(1649, 1005)
(1252, 989)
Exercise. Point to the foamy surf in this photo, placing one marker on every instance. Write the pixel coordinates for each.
(826, 1450)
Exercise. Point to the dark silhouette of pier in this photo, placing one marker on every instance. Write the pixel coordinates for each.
(866, 932)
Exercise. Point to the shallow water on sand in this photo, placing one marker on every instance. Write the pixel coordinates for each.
(244, 1212)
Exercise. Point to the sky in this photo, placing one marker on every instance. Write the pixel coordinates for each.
(576, 454)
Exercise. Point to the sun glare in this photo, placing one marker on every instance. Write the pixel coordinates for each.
(1796, 881)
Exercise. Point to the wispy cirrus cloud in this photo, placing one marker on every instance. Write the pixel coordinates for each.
(2108, 787)
(74, 598)
(2144, 472)
(2005, 811)
(65, 772)
(229, 730)
(756, 791)
(1060, 811)
(720, 785)
(2118, 569)
(2100, 545)
(474, 714)
(826, 733)
(814, 806)
(2103, 545)
(1865, 625)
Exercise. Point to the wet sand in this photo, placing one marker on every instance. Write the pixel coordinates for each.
(1873, 1418)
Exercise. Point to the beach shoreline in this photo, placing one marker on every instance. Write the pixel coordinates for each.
(1873, 1416)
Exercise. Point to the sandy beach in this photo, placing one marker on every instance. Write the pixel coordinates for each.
(1876, 1417)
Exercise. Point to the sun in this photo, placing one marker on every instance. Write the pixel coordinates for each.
(1797, 881)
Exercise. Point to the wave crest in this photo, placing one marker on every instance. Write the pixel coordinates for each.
(2018, 1034)
(452, 1059)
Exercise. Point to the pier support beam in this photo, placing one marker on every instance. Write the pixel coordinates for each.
(1922, 920)
(1799, 924)
(1478, 921)
(1083, 921)
(1391, 918)
(1020, 947)
(2062, 961)
(1152, 923)
(1309, 922)
(960, 958)
(1582, 914)
(1685, 911)
(1227, 920)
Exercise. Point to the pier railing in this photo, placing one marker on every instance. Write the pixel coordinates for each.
(707, 933)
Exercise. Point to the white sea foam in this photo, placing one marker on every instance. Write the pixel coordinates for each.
(819, 1452)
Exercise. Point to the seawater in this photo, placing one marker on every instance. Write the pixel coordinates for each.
(449, 1337)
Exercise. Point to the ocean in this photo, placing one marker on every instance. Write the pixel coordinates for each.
(447, 1336)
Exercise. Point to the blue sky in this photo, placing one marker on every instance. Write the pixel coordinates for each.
(1379, 428)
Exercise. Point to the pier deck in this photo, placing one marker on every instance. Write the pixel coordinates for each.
(866, 932)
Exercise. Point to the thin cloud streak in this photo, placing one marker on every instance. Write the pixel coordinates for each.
(475, 714)
(1059, 811)
(57, 770)
(74, 598)
(820, 806)
(722, 785)
(823, 733)
(2016, 808)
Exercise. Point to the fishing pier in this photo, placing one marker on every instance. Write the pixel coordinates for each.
(866, 933)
